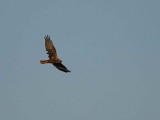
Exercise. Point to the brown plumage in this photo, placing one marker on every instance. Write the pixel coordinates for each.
(52, 54)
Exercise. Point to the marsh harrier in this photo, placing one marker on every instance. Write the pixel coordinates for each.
(52, 54)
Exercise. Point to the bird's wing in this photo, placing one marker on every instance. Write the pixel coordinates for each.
(51, 51)
(61, 67)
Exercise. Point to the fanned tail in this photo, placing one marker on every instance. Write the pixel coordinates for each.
(44, 61)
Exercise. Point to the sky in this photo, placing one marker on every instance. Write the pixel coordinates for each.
(111, 47)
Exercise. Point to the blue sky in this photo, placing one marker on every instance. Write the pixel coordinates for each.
(111, 47)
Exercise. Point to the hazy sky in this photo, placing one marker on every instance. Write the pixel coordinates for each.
(112, 48)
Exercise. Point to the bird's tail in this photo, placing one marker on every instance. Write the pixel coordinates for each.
(44, 61)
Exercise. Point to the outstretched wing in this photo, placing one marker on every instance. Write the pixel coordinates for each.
(61, 67)
(51, 51)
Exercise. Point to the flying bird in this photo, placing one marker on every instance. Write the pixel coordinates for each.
(52, 54)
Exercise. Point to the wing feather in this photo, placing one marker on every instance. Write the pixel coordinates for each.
(61, 67)
(51, 50)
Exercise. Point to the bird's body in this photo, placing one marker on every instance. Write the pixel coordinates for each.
(52, 54)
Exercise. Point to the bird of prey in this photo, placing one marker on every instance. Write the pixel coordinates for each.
(52, 54)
